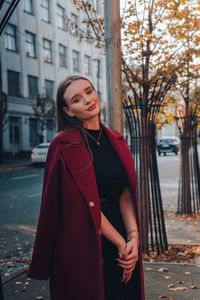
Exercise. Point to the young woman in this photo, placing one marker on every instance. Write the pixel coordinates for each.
(87, 241)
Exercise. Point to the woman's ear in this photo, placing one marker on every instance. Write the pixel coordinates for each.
(68, 112)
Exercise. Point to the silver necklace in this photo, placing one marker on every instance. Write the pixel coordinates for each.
(96, 140)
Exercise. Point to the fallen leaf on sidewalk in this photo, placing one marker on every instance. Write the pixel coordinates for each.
(149, 269)
(181, 282)
(193, 287)
(166, 277)
(177, 254)
(171, 297)
(39, 297)
(187, 273)
(194, 223)
(163, 296)
(170, 285)
(179, 288)
(163, 270)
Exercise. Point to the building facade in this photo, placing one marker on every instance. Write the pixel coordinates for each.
(40, 46)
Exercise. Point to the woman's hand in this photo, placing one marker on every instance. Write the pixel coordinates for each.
(130, 255)
(128, 259)
(121, 246)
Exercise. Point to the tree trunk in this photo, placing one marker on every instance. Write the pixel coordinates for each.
(185, 175)
(144, 197)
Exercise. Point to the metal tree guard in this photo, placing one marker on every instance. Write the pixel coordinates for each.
(141, 123)
(189, 178)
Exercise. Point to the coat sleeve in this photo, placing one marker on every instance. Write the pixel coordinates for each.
(48, 218)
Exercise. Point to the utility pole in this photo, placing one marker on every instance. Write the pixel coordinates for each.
(113, 64)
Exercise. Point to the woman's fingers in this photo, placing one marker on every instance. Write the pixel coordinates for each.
(128, 277)
(130, 256)
(127, 262)
(128, 250)
(127, 266)
(131, 269)
(123, 275)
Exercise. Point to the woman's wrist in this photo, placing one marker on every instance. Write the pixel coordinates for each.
(132, 233)
(120, 241)
(135, 239)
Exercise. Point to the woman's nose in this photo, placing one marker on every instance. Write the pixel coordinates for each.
(86, 99)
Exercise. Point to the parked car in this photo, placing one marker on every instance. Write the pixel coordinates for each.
(168, 144)
(39, 153)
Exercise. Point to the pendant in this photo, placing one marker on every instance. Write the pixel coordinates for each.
(98, 143)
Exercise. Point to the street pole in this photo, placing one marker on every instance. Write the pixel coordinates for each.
(113, 64)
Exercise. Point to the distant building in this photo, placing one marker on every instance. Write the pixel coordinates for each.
(38, 48)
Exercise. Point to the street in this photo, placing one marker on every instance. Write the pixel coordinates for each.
(168, 172)
(20, 202)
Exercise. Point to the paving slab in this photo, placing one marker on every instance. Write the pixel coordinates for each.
(172, 281)
(182, 230)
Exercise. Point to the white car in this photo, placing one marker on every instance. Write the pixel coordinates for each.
(39, 153)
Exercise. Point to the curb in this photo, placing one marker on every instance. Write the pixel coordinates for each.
(15, 168)
(14, 275)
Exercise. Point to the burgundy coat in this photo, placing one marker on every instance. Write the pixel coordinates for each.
(68, 246)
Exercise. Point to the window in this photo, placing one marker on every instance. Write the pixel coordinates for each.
(95, 5)
(10, 38)
(74, 24)
(50, 130)
(32, 86)
(9, 1)
(47, 46)
(75, 61)
(13, 83)
(28, 6)
(87, 32)
(30, 44)
(14, 133)
(98, 70)
(45, 10)
(49, 88)
(35, 132)
(63, 55)
(60, 17)
(87, 62)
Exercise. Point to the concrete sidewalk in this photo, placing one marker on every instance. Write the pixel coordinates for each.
(169, 281)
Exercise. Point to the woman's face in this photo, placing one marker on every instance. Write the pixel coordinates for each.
(82, 100)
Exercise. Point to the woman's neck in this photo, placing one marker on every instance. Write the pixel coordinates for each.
(92, 124)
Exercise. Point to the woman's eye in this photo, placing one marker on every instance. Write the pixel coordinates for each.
(76, 100)
(89, 92)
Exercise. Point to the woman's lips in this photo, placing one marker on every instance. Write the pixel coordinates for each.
(92, 107)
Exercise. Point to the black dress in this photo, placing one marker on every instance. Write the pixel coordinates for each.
(111, 180)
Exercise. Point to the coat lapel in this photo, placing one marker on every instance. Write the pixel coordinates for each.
(78, 162)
